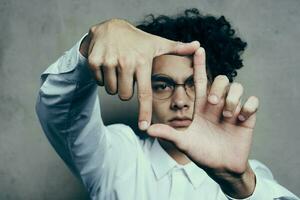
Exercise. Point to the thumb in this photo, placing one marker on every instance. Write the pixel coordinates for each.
(165, 132)
(166, 46)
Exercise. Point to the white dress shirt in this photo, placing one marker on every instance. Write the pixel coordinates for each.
(111, 161)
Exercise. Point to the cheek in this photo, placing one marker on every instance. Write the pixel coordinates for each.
(160, 110)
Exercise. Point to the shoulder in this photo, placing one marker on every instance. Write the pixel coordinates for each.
(121, 134)
(122, 131)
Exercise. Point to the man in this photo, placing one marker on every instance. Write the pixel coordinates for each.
(200, 133)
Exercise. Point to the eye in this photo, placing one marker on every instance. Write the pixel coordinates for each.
(161, 86)
(189, 82)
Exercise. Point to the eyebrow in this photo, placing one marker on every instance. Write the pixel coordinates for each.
(166, 78)
(161, 77)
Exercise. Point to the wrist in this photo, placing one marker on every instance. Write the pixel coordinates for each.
(239, 186)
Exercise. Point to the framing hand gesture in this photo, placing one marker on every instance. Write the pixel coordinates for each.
(120, 54)
(219, 138)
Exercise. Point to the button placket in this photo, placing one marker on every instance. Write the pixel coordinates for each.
(178, 183)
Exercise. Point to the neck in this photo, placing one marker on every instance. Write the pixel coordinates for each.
(177, 155)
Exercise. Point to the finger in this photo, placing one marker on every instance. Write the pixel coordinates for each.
(250, 107)
(98, 74)
(216, 98)
(95, 53)
(110, 75)
(125, 83)
(218, 89)
(143, 77)
(110, 80)
(95, 60)
(232, 100)
(166, 132)
(200, 77)
(234, 118)
(165, 46)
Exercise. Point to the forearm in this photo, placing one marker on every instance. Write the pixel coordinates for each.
(67, 90)
(69, 112)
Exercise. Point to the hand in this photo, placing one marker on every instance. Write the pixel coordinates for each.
(219, 138)
(118, 53)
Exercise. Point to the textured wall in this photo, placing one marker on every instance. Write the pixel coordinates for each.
(34, 33)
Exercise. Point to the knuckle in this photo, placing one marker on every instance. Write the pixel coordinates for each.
(125, 65)
(144, 94)
(124, 72)
(230, 102)
(125, 61)
(93, 63)
(115, 21)
(110, 62)
(141, 61)
(144, 112)
(93, 29)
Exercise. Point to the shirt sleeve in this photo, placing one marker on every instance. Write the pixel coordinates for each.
(266, 187)
(68, 108)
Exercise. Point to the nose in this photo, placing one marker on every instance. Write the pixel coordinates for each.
(179, 99)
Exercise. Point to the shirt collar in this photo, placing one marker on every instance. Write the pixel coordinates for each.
(195, 174)
(162, 163)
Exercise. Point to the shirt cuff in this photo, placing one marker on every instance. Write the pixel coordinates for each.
(259, 192)
(247, 198)
(72, 66)
(231, 198)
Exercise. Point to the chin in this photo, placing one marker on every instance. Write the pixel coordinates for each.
(180, 128)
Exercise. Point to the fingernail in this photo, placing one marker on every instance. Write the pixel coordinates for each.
(241, 118)
(227, 113)
(214, 99)
(143, 125)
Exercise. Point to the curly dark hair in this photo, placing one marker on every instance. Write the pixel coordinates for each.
(223, 48)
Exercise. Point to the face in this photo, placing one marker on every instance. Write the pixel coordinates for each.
(177, 110)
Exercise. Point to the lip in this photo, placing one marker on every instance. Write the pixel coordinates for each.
(180, 122)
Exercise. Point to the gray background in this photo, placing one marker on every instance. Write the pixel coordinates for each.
(35, 33)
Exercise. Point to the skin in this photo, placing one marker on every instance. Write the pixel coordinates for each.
(120, 54)
(179, 68)
(216, 141)
(219, 137)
